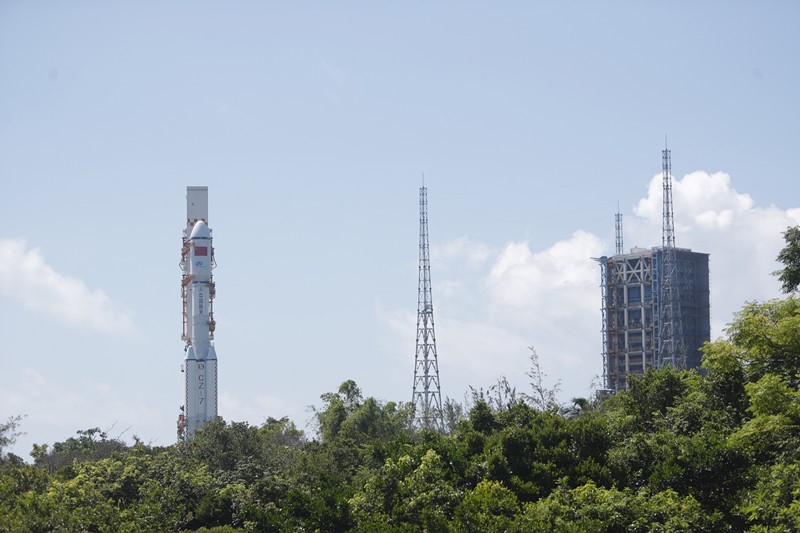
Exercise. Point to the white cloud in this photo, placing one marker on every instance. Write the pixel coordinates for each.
(697, 198)
(479, 351)
(741, 238)
(26, 278)
(461, 250)
(522, 278)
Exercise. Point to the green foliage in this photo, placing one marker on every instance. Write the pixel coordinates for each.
(648, 399)
(489, 507)
(765, 337)
(453, 414)
(542, 397)
(9, 431)
(408, 491)
(774, 505)
(90, 445)
(589, 509)
(773, 430)
(678, 451)
(724, 383)
(789, 276)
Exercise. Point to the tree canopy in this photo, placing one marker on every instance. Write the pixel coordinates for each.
(789, 275)
(678, 451)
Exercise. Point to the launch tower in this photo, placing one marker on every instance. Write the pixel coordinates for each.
(197, 295)
(426, 394)
(655, 302)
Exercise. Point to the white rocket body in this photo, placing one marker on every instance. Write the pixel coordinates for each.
(197, 294)
(201, 358)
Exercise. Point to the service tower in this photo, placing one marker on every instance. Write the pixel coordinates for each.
(197, 294)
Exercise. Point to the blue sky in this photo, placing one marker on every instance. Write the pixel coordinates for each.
(312, 125)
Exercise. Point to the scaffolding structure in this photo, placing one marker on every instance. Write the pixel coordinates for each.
(632, 288)
(604, 319)
(426, 392)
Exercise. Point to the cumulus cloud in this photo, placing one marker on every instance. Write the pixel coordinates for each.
(697, 198)
(742, 238)
(25, 277)
(522, 278)
(472, 254)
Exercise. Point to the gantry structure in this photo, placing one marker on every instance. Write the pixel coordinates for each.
(654, 302)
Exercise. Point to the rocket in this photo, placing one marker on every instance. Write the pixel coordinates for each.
(200, 364)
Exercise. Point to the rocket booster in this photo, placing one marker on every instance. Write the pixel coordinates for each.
(201, 358)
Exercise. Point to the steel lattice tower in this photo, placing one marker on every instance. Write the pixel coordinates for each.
(618, 227)
(670, 340)
(427, 393)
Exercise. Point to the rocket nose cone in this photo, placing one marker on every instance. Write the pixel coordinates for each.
(200, 231)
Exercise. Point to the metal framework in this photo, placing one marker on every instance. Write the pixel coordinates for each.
(629, 337)
(618, 228)
(631, 299)
(604, 319)
(671, 350)
(426, 394)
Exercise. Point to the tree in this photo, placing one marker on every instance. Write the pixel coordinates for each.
(9, 434)
(543, 398)
(453, 413)
(337, 406)
(90, 445)
(766, 338)
(773, 504)
(490, 506)
(790, 257)
(595, 509)
(773, 430)
(498, 397)
(407, 491)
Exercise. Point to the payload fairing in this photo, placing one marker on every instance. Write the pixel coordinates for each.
(197, 291)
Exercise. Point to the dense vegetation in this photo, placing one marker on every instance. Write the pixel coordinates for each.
(714, 451)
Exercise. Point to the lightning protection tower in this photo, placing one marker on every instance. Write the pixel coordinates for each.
(671, 350)
(427, 394)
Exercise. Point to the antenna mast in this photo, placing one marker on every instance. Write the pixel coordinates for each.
(426, 394)
(670, 342)
(618, 227)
